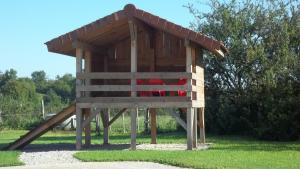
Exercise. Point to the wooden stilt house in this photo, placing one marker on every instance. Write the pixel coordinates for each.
(132, 59)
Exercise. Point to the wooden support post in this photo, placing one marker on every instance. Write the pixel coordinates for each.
(190, 112)
(153, 126)
(87, 129)
(195, 128)
(105, 120)
(87, 112)
(79, 55)
(189, 66)
(133, 68)
(87, 69)
(202, 125)
(123, 122)
(42, 109)
(190, 120)
(78, 128)
(97, 119)
(108, 114)
(146, 121)
(133, 128)
(138, 121)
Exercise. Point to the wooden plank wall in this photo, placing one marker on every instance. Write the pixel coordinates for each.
(169, 56)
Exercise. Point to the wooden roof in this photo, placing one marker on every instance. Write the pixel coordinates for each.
(114, 27)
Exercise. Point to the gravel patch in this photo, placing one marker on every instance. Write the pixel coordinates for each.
(61, 156)
(98, 165)
(48, 157)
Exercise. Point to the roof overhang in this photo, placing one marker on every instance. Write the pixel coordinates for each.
(115, 27)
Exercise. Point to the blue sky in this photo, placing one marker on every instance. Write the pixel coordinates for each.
(27, 25)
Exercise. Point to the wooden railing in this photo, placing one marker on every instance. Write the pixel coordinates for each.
(195, 89)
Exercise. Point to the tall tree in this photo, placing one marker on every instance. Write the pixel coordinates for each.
(39, 78)
(252, 90)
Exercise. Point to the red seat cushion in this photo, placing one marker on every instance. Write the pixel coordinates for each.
(157, 82)
(182, 82)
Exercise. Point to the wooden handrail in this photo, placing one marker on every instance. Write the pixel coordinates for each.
(135, 75)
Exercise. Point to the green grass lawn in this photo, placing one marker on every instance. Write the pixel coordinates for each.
(226, 152)
(9, 158)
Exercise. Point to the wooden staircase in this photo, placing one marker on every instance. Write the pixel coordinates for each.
(42, 128)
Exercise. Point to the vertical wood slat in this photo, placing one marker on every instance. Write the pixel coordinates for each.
(79, 55)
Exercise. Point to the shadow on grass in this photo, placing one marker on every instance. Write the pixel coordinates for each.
(2, 145)
(71, 147)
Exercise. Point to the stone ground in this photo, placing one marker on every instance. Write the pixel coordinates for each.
(61, 156)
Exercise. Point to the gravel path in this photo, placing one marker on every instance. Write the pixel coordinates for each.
(48, 157)
(56, 156)
(98, 165)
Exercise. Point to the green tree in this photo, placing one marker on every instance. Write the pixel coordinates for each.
(64, 87)
(19, 103)
(255, 88)
(7, 76)
(39, 78)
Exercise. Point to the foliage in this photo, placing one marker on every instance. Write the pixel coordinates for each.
(20, 98)
(255, 88)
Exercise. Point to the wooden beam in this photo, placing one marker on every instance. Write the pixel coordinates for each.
(78, 127)
(153, 125)
(136, 75)
(133, 68)
(79, 55)
(89, 119)
(97, 119)
(133, 53)
(42, 128)
(83, 45)
(133, 128)
(178, 119)
(190, 119)
(136, 104)
(105, 120)
(87, 128)
(195, 137)
(189, 67)
(87, 69)
(116, 116)
(146, 121)
(202, 125)
(133, 99)
(137, 88)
